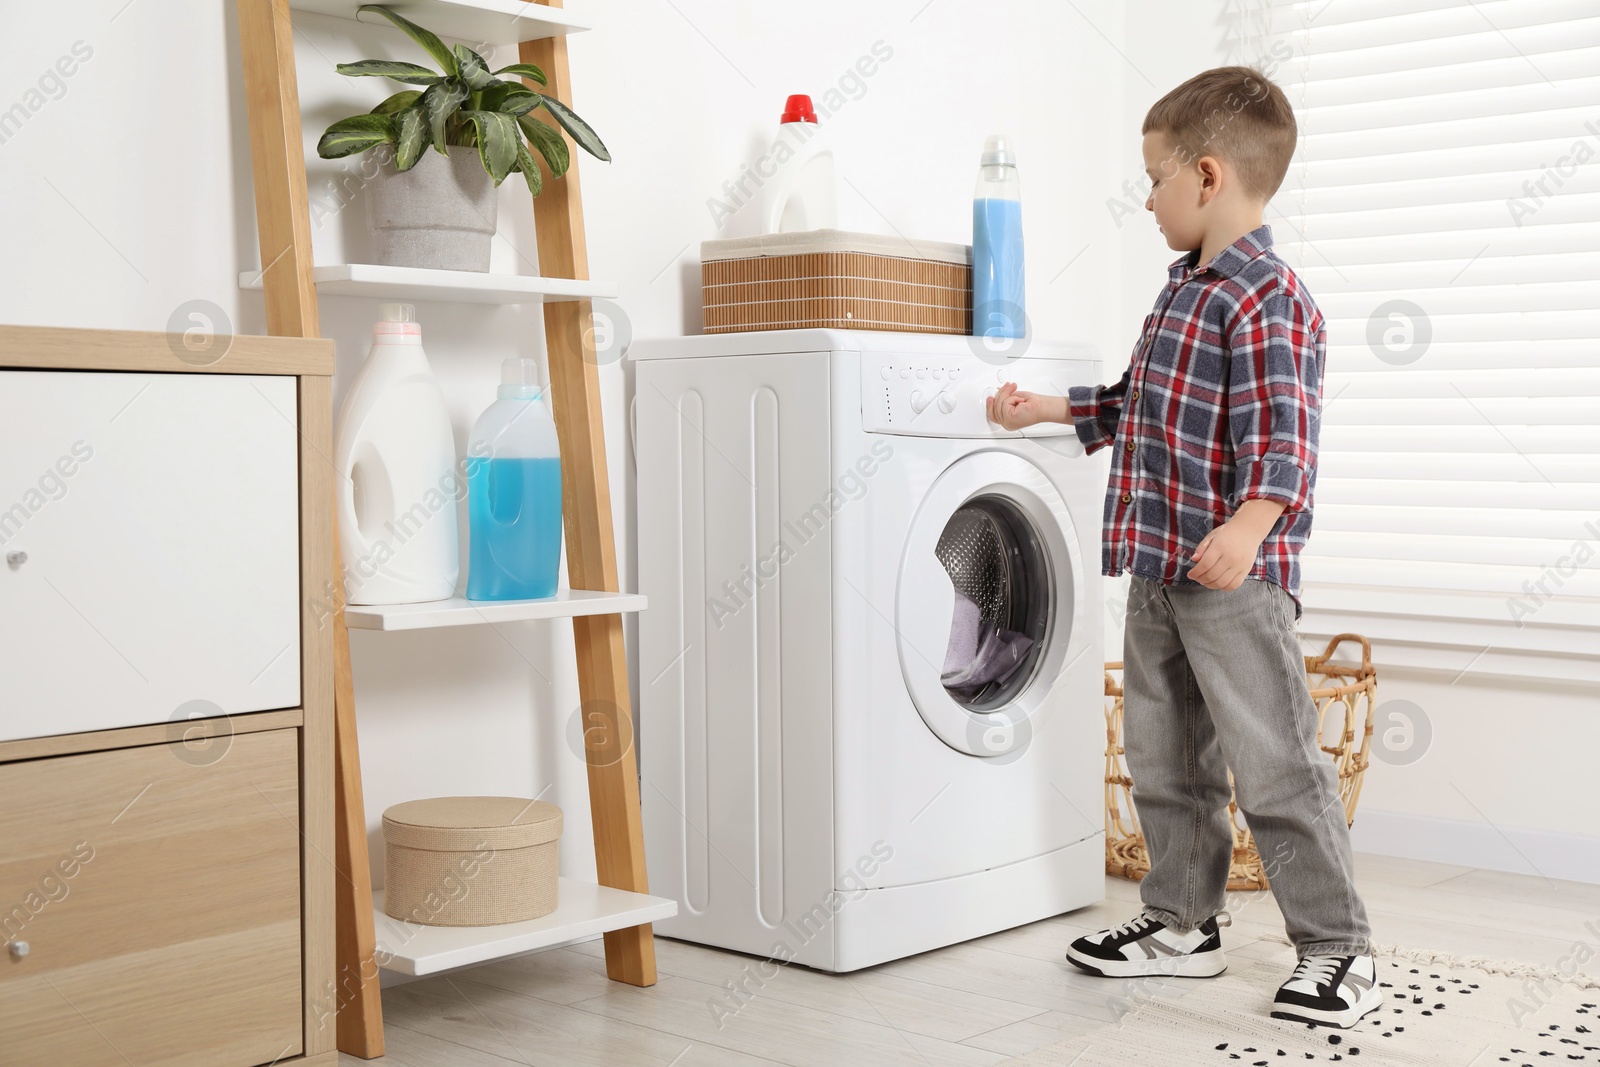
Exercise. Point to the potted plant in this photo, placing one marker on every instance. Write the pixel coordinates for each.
(440, 213)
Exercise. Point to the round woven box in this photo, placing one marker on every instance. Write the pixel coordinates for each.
(470, 861)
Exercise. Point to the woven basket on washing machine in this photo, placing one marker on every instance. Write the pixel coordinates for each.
(1352, 687)
(835, 279)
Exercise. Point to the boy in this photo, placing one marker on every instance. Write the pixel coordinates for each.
(1214, 427)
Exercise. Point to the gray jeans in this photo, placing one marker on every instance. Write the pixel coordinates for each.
(1214, 679)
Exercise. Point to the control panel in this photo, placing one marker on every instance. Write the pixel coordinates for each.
(941, 396)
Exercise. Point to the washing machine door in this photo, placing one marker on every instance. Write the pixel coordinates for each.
(988, 609)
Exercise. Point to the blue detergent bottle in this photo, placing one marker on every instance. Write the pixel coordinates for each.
(997, 277)
(514, 492)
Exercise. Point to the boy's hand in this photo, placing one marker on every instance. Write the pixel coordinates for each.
(1225, 555)
(1014, 409)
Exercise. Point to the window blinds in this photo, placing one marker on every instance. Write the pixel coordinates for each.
(1443, 207)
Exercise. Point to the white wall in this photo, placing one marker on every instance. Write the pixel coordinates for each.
(125, 201)
(129, 198)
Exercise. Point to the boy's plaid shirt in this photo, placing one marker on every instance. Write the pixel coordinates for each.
(1220, 403)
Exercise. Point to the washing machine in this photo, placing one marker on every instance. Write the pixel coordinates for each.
(871, 708)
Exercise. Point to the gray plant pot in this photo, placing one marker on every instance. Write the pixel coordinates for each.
(439, 214)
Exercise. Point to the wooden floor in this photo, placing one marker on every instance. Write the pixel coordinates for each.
(980, 1002)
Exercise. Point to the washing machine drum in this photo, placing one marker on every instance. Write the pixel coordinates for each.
(987, 611)
(996, 564)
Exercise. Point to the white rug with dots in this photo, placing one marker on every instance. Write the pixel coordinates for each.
(1438, 1009)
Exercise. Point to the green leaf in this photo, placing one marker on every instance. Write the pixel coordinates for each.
(586, 138)
(551, 145)
(492, 97)
(410, 73)
(529, 168)
(524, 70)
(497, 141)
(398, 102)
(513, 98)
(438, 104)
(473, 67)
(411, 137)
(355, 134)
(520, 100)
(435, 47)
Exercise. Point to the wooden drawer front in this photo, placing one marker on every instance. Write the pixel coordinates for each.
(159, 515)
(159, 897)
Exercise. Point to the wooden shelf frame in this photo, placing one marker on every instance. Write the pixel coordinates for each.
(290, 294)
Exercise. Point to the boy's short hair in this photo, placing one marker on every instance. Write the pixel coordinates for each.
(1236, 114)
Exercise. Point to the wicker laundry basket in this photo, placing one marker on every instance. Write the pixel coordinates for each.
(470, 861)
(1353, 688)
(835, 279)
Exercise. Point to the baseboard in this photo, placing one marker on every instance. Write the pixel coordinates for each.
(1573, 857)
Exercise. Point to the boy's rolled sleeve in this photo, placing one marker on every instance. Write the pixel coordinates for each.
(1095, 410)
(1276, 358)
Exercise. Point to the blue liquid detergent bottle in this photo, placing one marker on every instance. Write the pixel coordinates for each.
(514, 492)
(997, 278)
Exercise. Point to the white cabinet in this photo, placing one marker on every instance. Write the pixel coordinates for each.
(149, 548)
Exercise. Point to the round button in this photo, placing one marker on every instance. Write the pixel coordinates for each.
(887, 373)
(947, 403)
(905, 372)
(938, 372)
(1126, 497)
(1136, 394)
(922, 372)
(1130, 446)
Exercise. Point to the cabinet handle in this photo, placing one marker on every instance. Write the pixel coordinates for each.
(16, 558)
(19, 949)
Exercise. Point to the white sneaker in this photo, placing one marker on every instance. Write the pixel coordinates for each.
(1145, 945)
(1332, 990)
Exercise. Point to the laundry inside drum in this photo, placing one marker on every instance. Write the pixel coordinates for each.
(996, 562)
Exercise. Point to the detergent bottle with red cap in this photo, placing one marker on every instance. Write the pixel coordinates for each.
(801, 195)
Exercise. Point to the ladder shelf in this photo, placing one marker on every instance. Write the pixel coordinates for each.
(619, 906)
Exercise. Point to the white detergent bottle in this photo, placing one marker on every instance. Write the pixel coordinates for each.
(395, 459)
(802, 195)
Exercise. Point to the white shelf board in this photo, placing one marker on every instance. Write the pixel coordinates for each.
(474, 21)
(458, 611)
(463, 286)
(583, 909)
